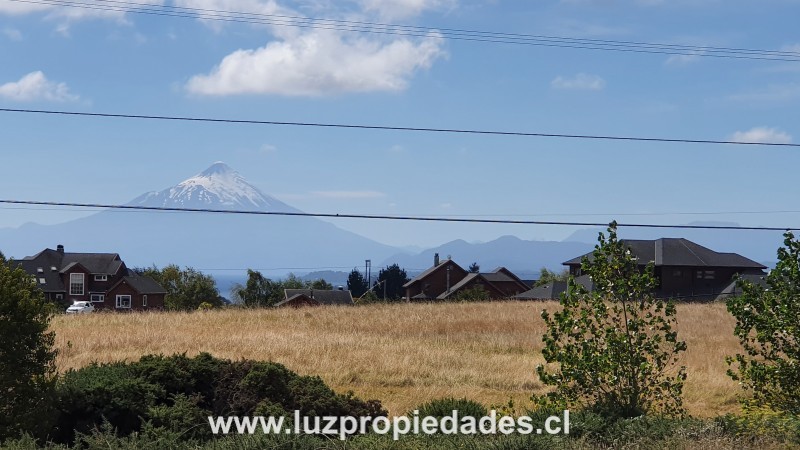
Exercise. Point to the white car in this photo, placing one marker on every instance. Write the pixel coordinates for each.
(80, 308)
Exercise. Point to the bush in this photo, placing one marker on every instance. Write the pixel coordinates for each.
(173, 396)
(768, 327)
(615, 346)
(445, 406)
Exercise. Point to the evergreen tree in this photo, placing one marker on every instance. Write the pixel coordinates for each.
(391, 281)
(356, 283)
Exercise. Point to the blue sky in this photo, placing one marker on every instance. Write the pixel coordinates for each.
(114, 62)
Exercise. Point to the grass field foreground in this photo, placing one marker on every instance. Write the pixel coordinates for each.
(402, 354)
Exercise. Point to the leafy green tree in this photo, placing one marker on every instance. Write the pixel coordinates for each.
(391, 281)
(2, 258)
(27, 356)
(547, 276)
(356, 283)
(474, 268)
(768, 327)
(186, 288)
(257, 291)
(615, 346)
(319, 284)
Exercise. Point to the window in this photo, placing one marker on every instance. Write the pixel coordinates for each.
(706, 274)
(124, 301)
(76, 284)
(97, 297)
(677, 273)
(59, 296)
(144, 300)
(39, 270)
(101, 277)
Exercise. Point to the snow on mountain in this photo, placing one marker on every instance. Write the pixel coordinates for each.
(219, 187)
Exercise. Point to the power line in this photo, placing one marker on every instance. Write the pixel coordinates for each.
(417, 31)
(394, 128)
(388, 217)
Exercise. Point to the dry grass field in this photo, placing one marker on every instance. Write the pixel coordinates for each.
(403, 354)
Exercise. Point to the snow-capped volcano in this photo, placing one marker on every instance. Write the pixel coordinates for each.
(218, 187)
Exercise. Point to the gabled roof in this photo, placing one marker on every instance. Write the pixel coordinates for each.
(430, 270)
(679, 252)
(504, 275)
(141, 283)
(98, 263)
(324, 296)
(733, 290)
(95, 263)
(464, 281)
(549, 291)
(296, 297)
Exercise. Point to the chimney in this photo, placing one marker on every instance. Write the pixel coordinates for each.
(435, 259)
(60, 249)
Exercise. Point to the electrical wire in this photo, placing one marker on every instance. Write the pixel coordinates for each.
(389, 217)
(417, 31)
(394, 128)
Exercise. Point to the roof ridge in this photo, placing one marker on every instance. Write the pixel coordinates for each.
(683, 242)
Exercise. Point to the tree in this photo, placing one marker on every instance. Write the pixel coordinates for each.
(768, 327)
(615, 346)
(547, 276)
(319, 284)
(391, 281)
(474, 268)
(478, 293)
(186, 289)
(256, 292)
(27, 356)
(356, 283)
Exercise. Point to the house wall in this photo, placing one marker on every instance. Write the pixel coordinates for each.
(509, 288)
(87, 281)
(436, 282)
(154, 301)
(681, 281)
(494, 294)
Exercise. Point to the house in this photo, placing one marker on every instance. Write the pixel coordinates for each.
(101, 278)
(315, 297)
(682, 268)
(446, 279)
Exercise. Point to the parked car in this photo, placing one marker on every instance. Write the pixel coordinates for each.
(80, 308)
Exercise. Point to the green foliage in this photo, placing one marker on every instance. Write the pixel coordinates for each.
(356, 283)
(391, 280)
(173, 396)
(445, 406)
(27, 356)
(474, 268)
(615, 346)
(368, 298)
(547, 276)
(319, 284)
(759, 421)
(186, 288)
(768, 327)
(257, 292)
(475, 294)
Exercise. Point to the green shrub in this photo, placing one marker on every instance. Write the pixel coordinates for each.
(445, 406)
(768, 327)
(615, 346)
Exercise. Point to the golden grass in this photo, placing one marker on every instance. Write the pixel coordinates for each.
(402, 354)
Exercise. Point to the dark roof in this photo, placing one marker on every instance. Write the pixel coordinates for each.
(430, 270)
(295, 297)
(324, 296)
(550, 291)
(142, 283)
(553, 290)
(732, 290)
(470, 276)
(679, 252)
(95, 263)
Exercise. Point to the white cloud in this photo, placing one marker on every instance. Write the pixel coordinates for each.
(317, 63)
(13, 34)
(580, 81)
(404, 9)
(762, 135)
(36, 87)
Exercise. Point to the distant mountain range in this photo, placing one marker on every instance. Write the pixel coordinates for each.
(229, 244)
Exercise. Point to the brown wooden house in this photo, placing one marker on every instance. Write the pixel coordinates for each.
(683, 268)
(446, 279)
(101, 278)
(297, 298)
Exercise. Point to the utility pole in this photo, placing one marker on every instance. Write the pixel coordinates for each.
(368, 272)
